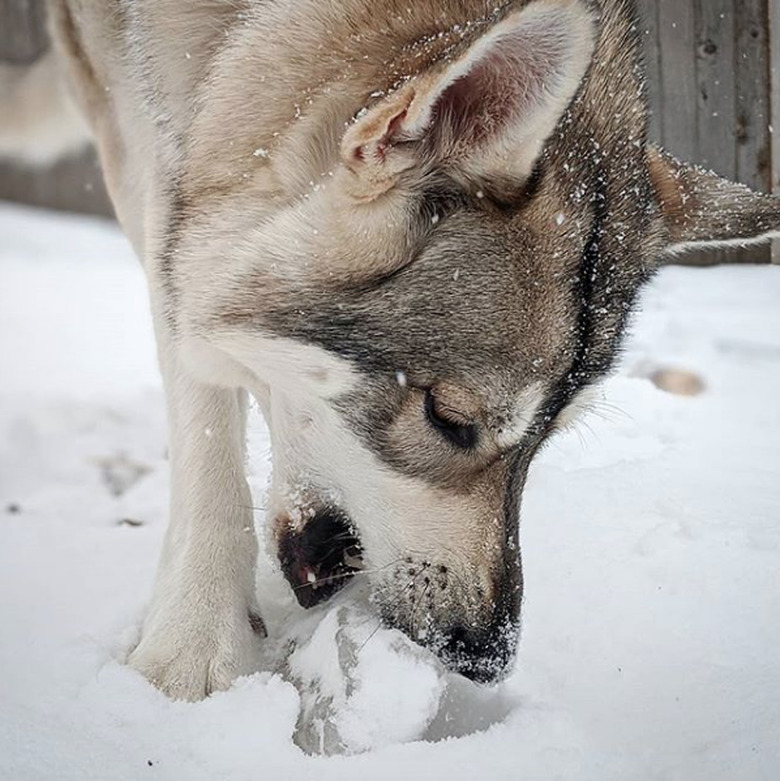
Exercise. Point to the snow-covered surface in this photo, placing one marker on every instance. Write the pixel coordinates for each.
(651, 538)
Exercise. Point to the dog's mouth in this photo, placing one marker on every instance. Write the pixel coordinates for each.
(321, 557)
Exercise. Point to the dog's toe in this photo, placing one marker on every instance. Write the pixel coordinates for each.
(191, 665)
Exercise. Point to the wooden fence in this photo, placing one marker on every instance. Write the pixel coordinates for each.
(713, 74)
(710, 68)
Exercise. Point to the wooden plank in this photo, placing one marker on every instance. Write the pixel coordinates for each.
(676, 35)
(716, 86)
(753, 117)
(753, 109)
(716, 92)
(774, 56)
(648, 10)
(679, 122)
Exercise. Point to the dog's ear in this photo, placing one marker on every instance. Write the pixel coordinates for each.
(700, 209)
(484, 116)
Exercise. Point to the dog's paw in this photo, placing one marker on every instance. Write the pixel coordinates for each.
(189, 663)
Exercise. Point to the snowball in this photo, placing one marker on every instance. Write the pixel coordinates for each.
(362, 686)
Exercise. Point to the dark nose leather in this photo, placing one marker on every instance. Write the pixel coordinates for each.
(482, 655)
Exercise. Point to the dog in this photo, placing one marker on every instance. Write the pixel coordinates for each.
(415, 233)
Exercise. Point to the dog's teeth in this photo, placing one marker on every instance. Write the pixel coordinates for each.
(310, 576)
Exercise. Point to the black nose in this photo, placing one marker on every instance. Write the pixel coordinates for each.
(481, 655)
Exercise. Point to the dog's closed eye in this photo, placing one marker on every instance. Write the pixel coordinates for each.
(451, 424)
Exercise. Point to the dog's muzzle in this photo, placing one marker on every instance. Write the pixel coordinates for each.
(321, 556)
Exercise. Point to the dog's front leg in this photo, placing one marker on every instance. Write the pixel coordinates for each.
(202, 629)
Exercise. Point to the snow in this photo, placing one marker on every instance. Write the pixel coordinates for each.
(348, 673)
(650, 535)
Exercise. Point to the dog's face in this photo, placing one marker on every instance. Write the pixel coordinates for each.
(442, 302)
(449, 373)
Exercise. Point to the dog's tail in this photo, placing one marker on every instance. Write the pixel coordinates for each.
(39, 122)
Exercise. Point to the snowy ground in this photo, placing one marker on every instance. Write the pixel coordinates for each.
(651, 540)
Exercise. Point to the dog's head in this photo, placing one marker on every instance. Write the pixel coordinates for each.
(444, 298)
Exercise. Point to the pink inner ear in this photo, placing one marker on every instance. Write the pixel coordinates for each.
(378, 150)
(394, 127)
(504, 86)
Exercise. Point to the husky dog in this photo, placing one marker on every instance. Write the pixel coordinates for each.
(414, 232)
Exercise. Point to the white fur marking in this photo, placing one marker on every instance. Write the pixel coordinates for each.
(521, 416)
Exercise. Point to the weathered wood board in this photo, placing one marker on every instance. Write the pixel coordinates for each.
(710, 84)
(774, 95)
